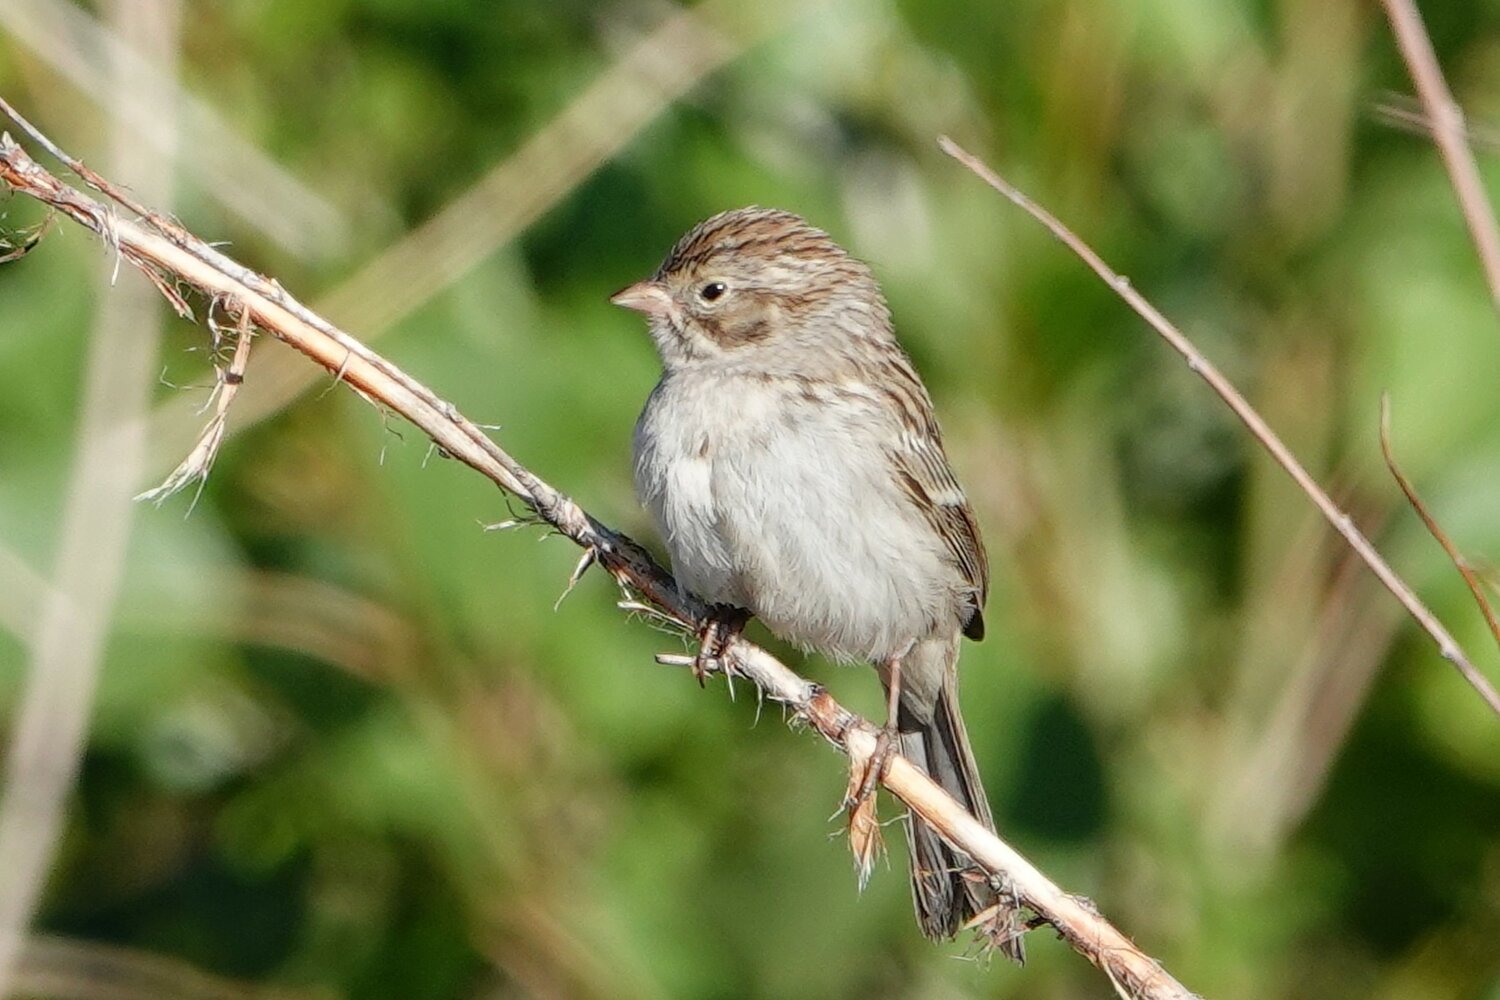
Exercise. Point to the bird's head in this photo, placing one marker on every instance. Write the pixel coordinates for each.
(754, 284)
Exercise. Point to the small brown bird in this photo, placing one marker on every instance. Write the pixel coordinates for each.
(793, 465)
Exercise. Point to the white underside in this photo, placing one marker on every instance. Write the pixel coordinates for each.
(789, 507)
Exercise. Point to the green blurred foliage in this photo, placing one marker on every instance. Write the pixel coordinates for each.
(346, 744)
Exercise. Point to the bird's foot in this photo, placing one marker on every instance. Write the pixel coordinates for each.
(722, 626)
(870, 770)
(885, 739)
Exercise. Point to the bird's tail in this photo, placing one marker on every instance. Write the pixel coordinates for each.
(946, 885)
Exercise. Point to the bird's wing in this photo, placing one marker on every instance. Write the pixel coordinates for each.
(921, 466)
(923, 471)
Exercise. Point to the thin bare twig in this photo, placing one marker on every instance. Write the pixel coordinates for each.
(1471, 578)
(1197, 363)
(155, 243)
(1446, 119)
(1405, 114)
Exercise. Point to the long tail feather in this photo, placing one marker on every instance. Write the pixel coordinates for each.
(946, 886)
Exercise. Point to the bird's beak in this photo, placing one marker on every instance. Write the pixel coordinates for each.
(649, 297)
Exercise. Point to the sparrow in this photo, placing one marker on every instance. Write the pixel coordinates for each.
(795, 470)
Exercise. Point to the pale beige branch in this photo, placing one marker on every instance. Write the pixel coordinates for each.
(154, 242)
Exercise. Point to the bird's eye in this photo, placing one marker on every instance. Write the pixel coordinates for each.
(712, 290)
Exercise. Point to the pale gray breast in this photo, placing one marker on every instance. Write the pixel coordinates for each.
(673, 445)
(780, 497)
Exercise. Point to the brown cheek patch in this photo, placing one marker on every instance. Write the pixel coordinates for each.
(712, 329)
(748, 332)
(753, 325)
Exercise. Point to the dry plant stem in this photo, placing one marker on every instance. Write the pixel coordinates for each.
(1471, 579)
(160, 246)
(1450, 133)
(1342, 523)
(1407, 115)
(195, 467)
(68, 640)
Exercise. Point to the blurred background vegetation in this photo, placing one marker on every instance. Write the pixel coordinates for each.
(342, 744)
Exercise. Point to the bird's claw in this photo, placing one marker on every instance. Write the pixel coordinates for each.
(874, 768)
(722, 626)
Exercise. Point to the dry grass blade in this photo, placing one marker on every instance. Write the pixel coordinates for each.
(1446, 120)
(67, 644)
(1448, 647)
(274, 311)
(1471, 577)
(15, 250)
(195, 467)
